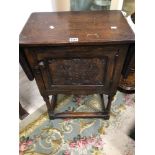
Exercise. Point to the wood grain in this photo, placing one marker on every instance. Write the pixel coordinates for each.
(92, 64)
(89, 27)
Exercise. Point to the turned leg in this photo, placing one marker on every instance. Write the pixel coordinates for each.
(48, 104)
(102, 100)
(53, 103)
(110, 99)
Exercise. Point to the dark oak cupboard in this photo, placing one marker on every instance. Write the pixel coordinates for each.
(75, 53)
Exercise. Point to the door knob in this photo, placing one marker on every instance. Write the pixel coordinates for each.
(41, 63)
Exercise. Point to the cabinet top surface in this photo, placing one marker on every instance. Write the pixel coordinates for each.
(92, 27)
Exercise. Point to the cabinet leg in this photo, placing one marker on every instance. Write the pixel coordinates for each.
(106, 110)
(110, 99)
(48, 104)
(102, 100)
(53, 104)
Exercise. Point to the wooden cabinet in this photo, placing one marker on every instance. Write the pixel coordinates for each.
(75, 53)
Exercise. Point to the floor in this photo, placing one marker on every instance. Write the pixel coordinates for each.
(29, 95)
(82, 136)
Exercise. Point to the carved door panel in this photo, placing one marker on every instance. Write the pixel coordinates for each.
(87, 72)
(77, 68)
(77, 71)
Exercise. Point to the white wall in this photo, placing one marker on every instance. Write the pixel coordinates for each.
(26, 7)
(64, 5)
(116, 4)
(60, 5)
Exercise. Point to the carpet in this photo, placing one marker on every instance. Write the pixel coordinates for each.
(82, 136)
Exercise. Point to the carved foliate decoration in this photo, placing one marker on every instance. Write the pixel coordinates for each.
(77, 71)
